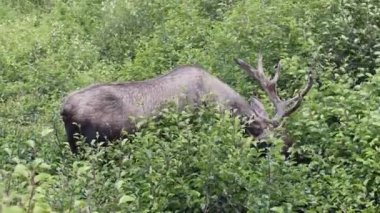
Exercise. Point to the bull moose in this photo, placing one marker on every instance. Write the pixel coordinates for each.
(104, 111)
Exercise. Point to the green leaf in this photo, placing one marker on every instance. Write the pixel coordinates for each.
(83, 169)
(21, 170)
(8, 151)
(119, 184)
(41, 208)
(31, 143)
(79, 204)
(126, 198)
(12, 209)
(277, 209)
(42, 177)
(46, 131)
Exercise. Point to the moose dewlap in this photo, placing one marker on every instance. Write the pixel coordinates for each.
(103, 111)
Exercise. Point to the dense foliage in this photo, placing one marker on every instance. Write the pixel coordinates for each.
(191, 161)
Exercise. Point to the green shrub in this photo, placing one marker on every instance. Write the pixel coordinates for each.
(191, 161)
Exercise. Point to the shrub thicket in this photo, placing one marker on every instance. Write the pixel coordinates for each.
(190, 161)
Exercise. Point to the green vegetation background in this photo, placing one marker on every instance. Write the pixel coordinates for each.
(200, 161)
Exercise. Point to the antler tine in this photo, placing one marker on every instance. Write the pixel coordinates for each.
(297, 100)
(260, 68)
(309, 85)
(294, 103)
(258, 74)
(277, 73)
(254, 73)
(246, 67)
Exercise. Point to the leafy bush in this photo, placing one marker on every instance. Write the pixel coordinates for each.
(201, 160)
(349, 39)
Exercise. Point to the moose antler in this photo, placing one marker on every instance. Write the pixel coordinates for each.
(283, 107)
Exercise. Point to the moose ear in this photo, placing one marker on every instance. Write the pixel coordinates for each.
(258, 107)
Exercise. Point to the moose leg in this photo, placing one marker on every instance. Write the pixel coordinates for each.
(89, 132)
(71, 130)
